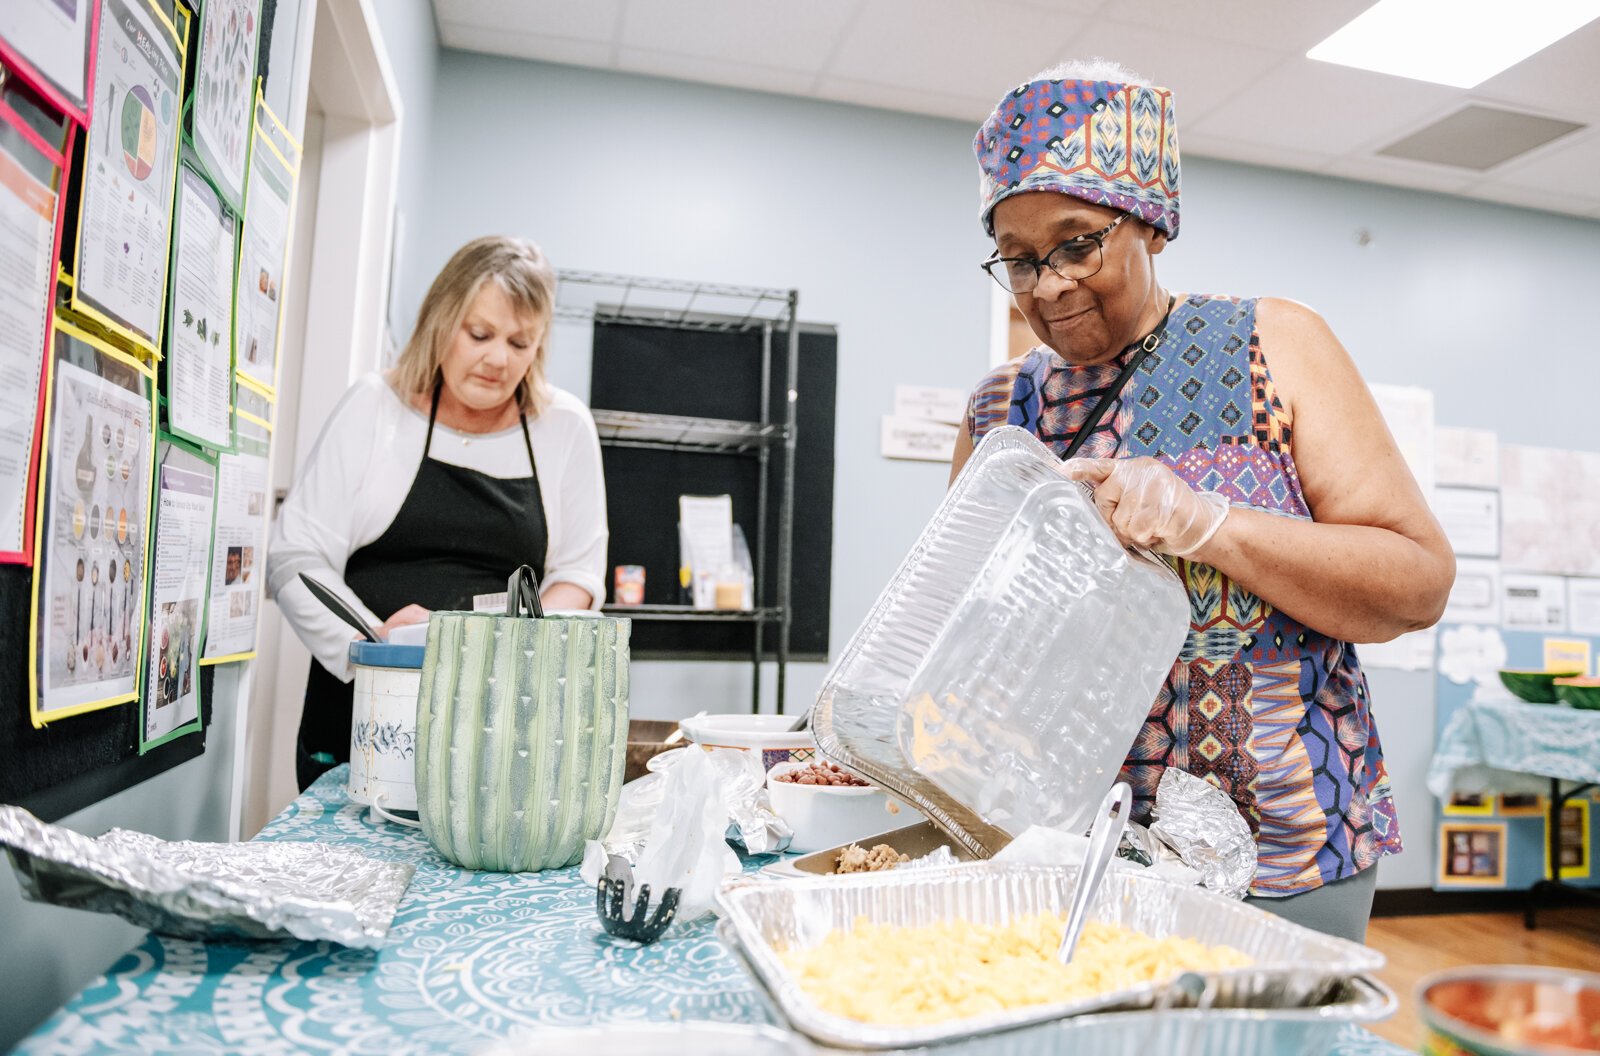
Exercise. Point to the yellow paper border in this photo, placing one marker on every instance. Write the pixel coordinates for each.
(1574, 872)
(230, 658)
(1447, 880)
(260, 134)
(150, 347)
(65, 325)
(1484, 809)
(1536, 809)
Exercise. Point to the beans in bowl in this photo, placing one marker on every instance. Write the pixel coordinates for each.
(822, 774)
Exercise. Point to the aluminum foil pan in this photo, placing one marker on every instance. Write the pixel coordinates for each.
(1293, 966)
(265, 890)
(1307, 1031)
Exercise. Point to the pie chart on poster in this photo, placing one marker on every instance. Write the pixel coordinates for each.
(139, 132)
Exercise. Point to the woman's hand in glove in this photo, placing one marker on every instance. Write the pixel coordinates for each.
(1147, 505)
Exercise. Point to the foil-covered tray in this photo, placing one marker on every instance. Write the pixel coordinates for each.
(257, 890)
(1292, 966)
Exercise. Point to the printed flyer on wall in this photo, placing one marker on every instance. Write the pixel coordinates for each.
(179, 574)
(92, 580)
(27, 243)
(50, 39)
(224, 91)
(199, 360)
(128, 170)
(238, 559)
(263, 254)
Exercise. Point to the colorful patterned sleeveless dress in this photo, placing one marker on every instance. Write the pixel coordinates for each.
(1272, 712)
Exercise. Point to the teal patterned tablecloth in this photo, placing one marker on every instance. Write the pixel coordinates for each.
(472, 957)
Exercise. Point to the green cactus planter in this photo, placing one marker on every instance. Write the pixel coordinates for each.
(522, 729)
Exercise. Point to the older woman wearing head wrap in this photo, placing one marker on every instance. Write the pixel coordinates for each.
(1234, 436)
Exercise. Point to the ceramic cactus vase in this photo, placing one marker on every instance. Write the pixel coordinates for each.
(522, 729)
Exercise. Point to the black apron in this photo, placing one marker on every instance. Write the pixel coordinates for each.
(458, 534)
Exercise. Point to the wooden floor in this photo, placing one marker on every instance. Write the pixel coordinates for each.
(1416, 946)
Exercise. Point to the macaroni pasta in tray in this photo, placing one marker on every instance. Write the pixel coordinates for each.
(884, 974)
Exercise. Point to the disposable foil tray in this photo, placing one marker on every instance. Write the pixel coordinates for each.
(1311, 1030)
(1003, 674)
(1292, 966)
(189, 890)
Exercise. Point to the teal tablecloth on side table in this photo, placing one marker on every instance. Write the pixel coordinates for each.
(472, 957)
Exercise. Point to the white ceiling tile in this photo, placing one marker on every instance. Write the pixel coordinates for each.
(1527, 198)
(1201, 78)
(714, 71)
(590, 20)
(1397, 172)
(1314, 106)
(1562, 80)
(786, 36)
(1567, 166)
(910, 100)
(1198, 145)
(527, 46)
(1279, 25)
(959, 47)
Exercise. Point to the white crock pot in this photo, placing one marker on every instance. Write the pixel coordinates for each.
(383, 727)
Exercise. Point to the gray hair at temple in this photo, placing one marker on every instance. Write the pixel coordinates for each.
(1091, 69)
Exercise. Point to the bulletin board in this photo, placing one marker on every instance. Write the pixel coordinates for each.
(75, 750)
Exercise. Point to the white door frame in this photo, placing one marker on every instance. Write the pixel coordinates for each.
(333, 330)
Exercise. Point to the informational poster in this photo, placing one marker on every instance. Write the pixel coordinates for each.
(199, 360)
(1475, 595)
(1583, 605)
(1534, 603)
(47, 41)
(238, 556)
(1467, 458)
(1408, 411)
(1550, 510)
(917, 439)
(27, 250)
(264, 250)
(128, 171)
(89, 616)
(1470, 518)
(224, 92)
(180, 571)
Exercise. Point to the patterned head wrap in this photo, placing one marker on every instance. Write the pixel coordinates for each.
(1107, 143)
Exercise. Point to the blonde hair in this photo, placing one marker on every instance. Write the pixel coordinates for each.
(522, 271)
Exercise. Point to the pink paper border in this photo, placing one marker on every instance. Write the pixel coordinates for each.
(24, 69)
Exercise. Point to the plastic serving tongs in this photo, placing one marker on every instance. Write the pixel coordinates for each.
(1104, 839)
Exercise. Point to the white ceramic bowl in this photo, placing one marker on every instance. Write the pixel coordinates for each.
(826, 816)
(767, 734)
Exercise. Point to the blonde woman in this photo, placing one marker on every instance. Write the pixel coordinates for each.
(434, 482)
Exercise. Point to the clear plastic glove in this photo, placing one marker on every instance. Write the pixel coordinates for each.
(1147, 504)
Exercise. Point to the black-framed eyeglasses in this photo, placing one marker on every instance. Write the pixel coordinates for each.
(1075, 259)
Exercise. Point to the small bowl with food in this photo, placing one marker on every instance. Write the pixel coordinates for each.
(1510, 1010)
(828, 806)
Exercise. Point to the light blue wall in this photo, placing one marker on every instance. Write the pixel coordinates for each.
(411, 40)
(870, 214)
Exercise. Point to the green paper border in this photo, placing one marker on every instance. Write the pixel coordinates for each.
(187, 162)
(202, 153)
(178, 443)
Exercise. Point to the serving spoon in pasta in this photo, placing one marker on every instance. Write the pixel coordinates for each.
(1104, 839)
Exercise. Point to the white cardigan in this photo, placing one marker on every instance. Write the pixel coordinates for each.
(361, 469)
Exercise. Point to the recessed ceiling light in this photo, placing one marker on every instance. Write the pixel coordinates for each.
(1451, 42)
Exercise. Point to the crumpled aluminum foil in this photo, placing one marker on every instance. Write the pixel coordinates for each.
(938, 858)
(189, 890)
(1198, 821)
